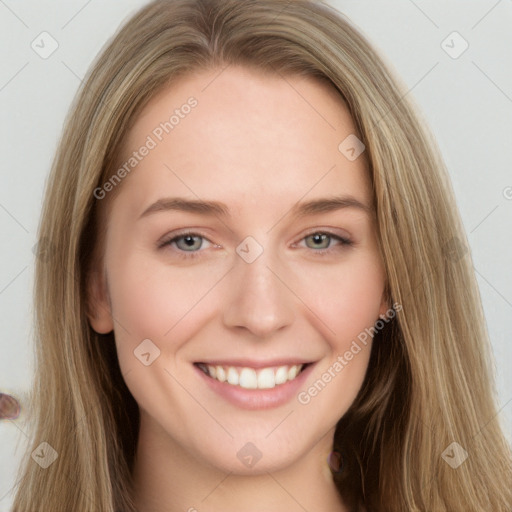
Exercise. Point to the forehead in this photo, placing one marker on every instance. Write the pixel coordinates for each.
(239, 135)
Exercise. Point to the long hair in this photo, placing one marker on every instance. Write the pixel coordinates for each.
(429, 382)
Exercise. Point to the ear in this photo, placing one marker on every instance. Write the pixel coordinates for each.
(99, 310)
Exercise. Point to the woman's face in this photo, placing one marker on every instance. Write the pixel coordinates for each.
(241, 245)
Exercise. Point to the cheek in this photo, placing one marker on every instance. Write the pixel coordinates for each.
(151, 300)
(346, 298)
(347, 301)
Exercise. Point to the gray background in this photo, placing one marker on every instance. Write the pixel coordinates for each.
(467, 101)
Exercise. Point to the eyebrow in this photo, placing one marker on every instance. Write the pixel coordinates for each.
(215, 208)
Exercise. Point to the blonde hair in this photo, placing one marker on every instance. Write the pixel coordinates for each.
(429, 381)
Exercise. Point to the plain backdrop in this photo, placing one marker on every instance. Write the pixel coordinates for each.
(465, 97)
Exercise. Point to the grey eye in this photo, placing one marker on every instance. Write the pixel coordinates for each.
(189, 242)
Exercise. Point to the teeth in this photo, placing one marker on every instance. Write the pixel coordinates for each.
(281, 375)
(233, 376)
(249, 378)
(221, 374)
(292, 372)
(266, 378)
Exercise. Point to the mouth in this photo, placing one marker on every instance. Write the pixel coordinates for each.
(247, 377)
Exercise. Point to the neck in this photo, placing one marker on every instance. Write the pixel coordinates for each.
(168, 478)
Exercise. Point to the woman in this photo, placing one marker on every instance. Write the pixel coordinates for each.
(258, 296)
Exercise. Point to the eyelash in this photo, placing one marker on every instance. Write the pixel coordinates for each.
(344, 242)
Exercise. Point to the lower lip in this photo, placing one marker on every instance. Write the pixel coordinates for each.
(257, 398)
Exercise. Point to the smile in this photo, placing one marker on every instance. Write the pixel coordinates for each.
(255, 384)
(252, 378)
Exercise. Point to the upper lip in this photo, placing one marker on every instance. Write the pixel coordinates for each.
(252, 363)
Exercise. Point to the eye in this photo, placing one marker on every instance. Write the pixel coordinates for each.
(188, 242)
(187, 245)
(323, 241)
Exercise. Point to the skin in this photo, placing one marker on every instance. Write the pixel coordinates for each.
(259, 144)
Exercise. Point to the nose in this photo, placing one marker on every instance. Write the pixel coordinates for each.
(259, 300)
